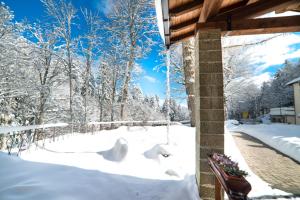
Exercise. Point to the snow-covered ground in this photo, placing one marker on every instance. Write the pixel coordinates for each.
(259, 187)
(126, 163)
(283, 137)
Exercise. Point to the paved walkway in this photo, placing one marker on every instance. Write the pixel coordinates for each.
(276, 169)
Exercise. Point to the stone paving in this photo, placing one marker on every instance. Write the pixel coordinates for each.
(278, 170)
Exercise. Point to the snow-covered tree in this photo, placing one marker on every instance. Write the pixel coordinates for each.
(133, 21)
(90, 44)
(64, 14)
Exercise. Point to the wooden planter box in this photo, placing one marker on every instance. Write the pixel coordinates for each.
(236, 187)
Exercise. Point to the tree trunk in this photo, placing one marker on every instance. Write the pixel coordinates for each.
(189, 77)
(86, 85)
(70, 84)
(129, 68)
(113, 94)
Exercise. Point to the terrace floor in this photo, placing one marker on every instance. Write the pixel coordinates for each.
(280, 171)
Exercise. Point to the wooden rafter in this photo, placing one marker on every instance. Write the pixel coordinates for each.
(234, 6)
(210, 8)
(254, 9)
(189, 7)
(255, 26)
(182, 37)
(184, 25)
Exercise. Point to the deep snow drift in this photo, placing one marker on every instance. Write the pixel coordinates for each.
(126, 163)
(283, 137)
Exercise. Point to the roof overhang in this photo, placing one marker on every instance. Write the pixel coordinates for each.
(182, 18)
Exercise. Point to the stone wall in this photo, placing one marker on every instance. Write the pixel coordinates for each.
(209, 106)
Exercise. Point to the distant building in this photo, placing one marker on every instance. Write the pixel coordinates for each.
(283, 115)
(296, 84)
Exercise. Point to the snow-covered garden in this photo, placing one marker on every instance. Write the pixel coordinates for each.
(124, 163)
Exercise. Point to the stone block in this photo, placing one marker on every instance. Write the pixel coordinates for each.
(210, 67)
(209, 127)
(211, 79)
(210, 91)
(207, 178)
(208, 34)
(210, 44)
(211, 103)
(211, 141)
(210, 55)
(207, 191)
(212, 115)
(204, 151)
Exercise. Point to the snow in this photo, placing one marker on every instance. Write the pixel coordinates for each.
(159, 17)
(282, 137)
(259, 187)
(283, 111)
(9, 129)
(125, 163)
(296, 80)
(117, 152)
(161, 122)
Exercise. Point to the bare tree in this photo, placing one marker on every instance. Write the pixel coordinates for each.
(47, 65)
(133, 21)
(90, 45)
(64, 13)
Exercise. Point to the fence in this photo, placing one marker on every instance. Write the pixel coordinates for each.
(97, 126)
(21, 137)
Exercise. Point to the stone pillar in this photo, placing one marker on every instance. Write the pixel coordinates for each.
(209, 106)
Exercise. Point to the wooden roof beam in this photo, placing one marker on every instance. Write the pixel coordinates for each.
(182, 37)
(189, 7)
(252, 10)
(255, 26)
(210, 8)
(184, 25)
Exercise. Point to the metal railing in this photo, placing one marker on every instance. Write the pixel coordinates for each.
(19, 138)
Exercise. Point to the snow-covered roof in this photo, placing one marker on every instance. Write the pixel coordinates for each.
(282, 111)
(296, 80)
(159, 18)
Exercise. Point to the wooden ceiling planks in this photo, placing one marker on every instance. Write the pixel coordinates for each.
(185, 14)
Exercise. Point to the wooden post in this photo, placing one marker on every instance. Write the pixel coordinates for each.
(218, 190)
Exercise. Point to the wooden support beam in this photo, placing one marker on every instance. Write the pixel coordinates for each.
(182, 37)
(255, 26)
(252, 10)
(189, 7)
(233, 6)
(184, 25)
(210, 8)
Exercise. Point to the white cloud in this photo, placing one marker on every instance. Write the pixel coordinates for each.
(150, 79)
(104, 6)
(138, 69)
(260, 79)
(271, 52)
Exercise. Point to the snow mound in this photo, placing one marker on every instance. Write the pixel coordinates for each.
(230, 124)
(172, 172)
(118, 152)
(265, 119)
(157, 151)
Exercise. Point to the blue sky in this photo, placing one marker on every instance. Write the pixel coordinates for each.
(151, 81)
(266, 58)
